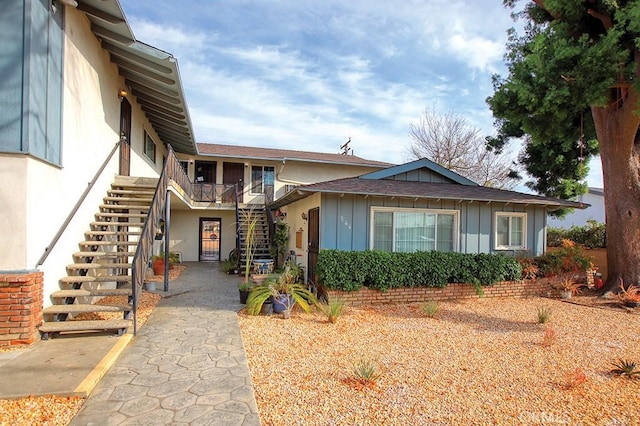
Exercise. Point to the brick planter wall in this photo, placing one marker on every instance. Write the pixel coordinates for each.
(515, 289)
(20, 308)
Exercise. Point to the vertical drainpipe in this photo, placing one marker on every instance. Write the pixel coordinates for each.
(167, 227)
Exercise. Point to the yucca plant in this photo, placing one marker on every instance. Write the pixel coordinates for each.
(544, 314)
(366, 371)
(626, 368)
(276, 286)
(333, 309)
(430, 308)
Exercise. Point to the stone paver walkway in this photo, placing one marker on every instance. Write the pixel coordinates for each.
(187, 365)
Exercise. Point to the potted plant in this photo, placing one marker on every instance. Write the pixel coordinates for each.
(284, 293)
(244, 289)
(568, 287)
(158, 262)
(229, 266)
(629, 296)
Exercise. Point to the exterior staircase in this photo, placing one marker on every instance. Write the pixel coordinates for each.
(102, 266)
(262, 241)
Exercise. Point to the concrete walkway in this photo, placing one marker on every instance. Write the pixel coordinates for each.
(187, 365)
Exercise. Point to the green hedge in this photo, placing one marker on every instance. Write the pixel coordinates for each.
(351, 270)
(591, 235)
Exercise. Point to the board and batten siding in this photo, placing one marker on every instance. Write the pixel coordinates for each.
(345, 221)
(421, 175)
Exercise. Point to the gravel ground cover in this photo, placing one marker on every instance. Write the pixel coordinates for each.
(480, 361)
(51, 410)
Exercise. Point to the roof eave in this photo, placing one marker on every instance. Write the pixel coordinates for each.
(151, 74)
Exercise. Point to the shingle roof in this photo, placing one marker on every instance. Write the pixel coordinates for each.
(407, 189)
(236, 151)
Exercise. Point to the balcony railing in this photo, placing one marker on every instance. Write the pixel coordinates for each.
(213, 193)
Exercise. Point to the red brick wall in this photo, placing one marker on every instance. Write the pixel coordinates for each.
(517, 289)
(20, 308)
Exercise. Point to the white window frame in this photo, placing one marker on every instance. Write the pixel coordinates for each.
(262, 166)
(510, 215)
(145, 149)
(393, 210)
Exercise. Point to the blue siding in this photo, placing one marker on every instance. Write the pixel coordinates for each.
(421, 175)
(31, 60)
(345, 221)
(11, 34)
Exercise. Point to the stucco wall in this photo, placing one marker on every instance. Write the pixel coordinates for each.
(290, 173)
(579, 217)
(184, 233)
(38, 195)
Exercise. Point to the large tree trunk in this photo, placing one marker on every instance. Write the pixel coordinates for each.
(617, 130)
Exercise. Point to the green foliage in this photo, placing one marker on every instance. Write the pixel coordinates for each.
(626, 368)
(351, 270)
(430, 308)
(281, 238)
(565, 62)
(229, 265)
(275, 285)
(566, 259)
(544, 314)
(333, 309)
(366, 371)
(591, 235)
(250, 218)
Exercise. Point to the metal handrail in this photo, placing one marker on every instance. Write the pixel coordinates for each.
(76, 207)
(237, 222)
(171, 170)
(158, 210)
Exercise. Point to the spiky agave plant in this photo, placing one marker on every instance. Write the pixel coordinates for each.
(626, 368)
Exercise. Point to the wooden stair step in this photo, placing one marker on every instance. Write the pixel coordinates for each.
(66, 326)
(135, 191)
(81, 308)
(102, 223)
(122, 215)
(61, 294)
(104, 254)
(92, 279)
(107, 243)
(98, 265)
(122, 199)
(123, 207)
(100, 233)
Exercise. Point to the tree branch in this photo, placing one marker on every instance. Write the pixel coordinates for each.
(541, 5)
(603, 17)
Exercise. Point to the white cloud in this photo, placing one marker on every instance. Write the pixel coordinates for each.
(477, 52)
(309, 74)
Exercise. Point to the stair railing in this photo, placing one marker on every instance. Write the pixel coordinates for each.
(76, 207)
(237, 222)
(174, 171)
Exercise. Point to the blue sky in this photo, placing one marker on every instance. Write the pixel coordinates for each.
(309, 74)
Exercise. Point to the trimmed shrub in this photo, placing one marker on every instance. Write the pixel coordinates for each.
(592, 235)
(351, 270)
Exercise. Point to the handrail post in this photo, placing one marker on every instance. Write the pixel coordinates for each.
(167, 227)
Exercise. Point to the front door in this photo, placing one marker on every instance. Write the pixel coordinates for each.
(233, 173)
(125, 137)
(314, 243)
(209, 239)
